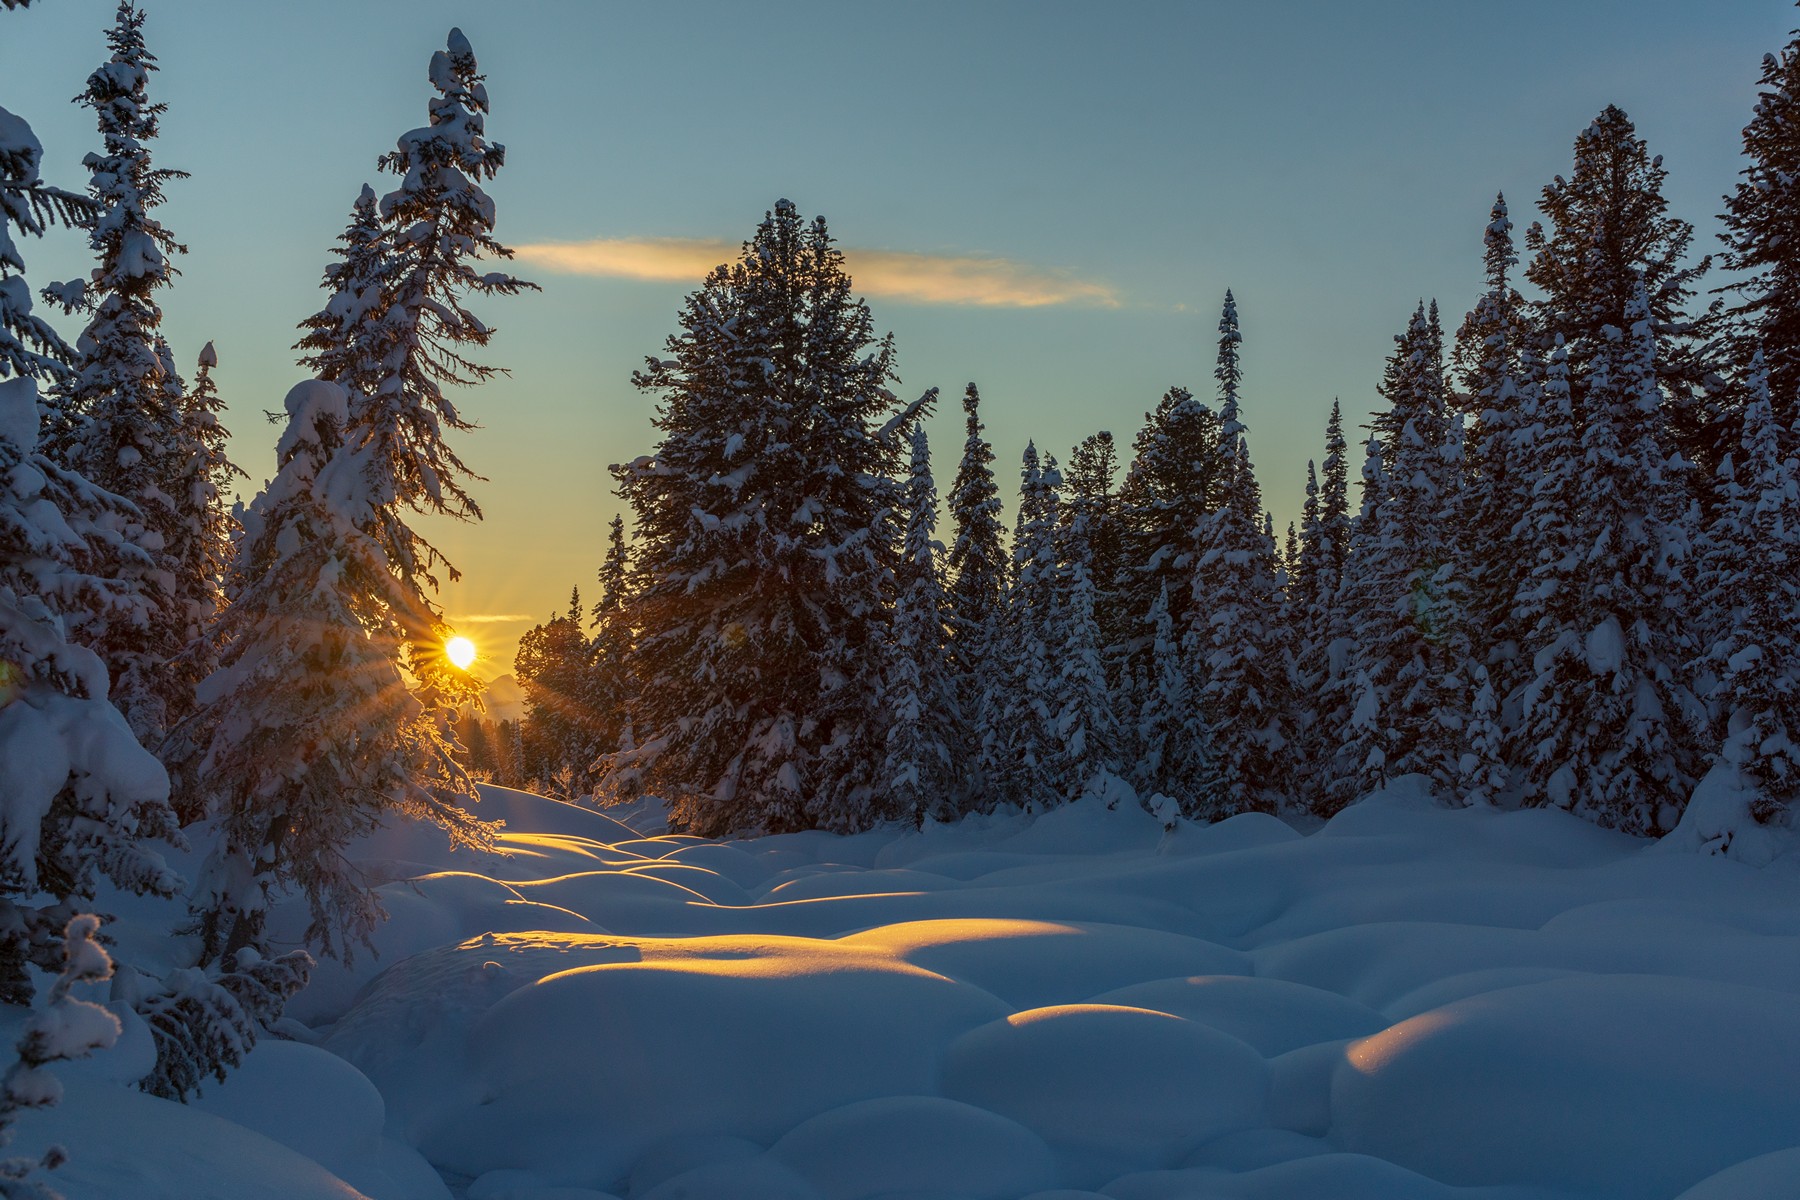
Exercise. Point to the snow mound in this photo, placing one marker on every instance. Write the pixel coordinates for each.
(1717, 819)
(580, 1073)
(1271, 1015)
(1657, 1083)
(158, 1150)
(1032, 964)
(424, 913)
(1110, 1085)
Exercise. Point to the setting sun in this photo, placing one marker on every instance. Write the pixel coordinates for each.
(461, 651)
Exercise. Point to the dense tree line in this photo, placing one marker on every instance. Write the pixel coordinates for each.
(1566, 578)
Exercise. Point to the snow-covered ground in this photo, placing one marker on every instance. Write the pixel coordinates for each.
(1409, 1003)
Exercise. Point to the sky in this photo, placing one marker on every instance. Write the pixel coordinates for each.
(1049, 199)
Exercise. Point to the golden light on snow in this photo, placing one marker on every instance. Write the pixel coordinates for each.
(461, 651)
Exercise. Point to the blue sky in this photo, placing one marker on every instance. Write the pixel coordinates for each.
(1117, 167)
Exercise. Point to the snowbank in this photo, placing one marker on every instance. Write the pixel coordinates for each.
(1410, 1003)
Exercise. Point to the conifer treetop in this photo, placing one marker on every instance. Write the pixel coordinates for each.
(1498, 256)
(133, 247)
(1229, 375)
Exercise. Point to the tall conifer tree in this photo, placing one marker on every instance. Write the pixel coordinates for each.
(1093, 501)
(609, 692)
(1229, 376)
(1176, 479)
(768, 535)
(436, 226)
(307, 737)
(977, 560)
(923, 746)
(554, 666)
(1084, 720)
(79, 798)
(205, 527)
(1019, 743)
(1496, 362)
(1610, 232)
(1174, 753)
(120, 419)
(1603, 721)
(1351, 701)
(1751, 574)
(1235, 645)
(1411, 641)
(1334, 504)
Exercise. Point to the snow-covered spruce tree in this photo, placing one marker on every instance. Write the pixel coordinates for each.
(1176, 478)
(1234, 642)
(1305, 564)
(1411, 635)
(608, 692)
(1751, 572)
(396, 331)
(206, 527)
(1609, 230)
(307, 735)
(1482, 775)
(1494, 359)
(768, 534)
(555, 665)
(1093, 499)
(1020, 746)
(1321, 641)
(398, 334)
(64, 1029)
(1334, 505)
(1493, 334)
(1762, 237)
(1603, 718)
(1549, 597)
(120, 419)
(977, 562)
(924, 744)
(1081, 703)
(1350, 699)
(1229, 375)
(80, 800)
(78, 796)
(1174, 752)
(1306, 557)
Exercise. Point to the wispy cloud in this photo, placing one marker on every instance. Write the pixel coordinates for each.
(892, 274)
(490, 618)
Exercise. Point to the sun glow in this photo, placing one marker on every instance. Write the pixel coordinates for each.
(461, 651)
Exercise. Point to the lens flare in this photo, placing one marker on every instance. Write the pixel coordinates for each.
(461, 651)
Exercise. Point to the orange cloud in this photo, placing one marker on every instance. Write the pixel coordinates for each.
(891, 274)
